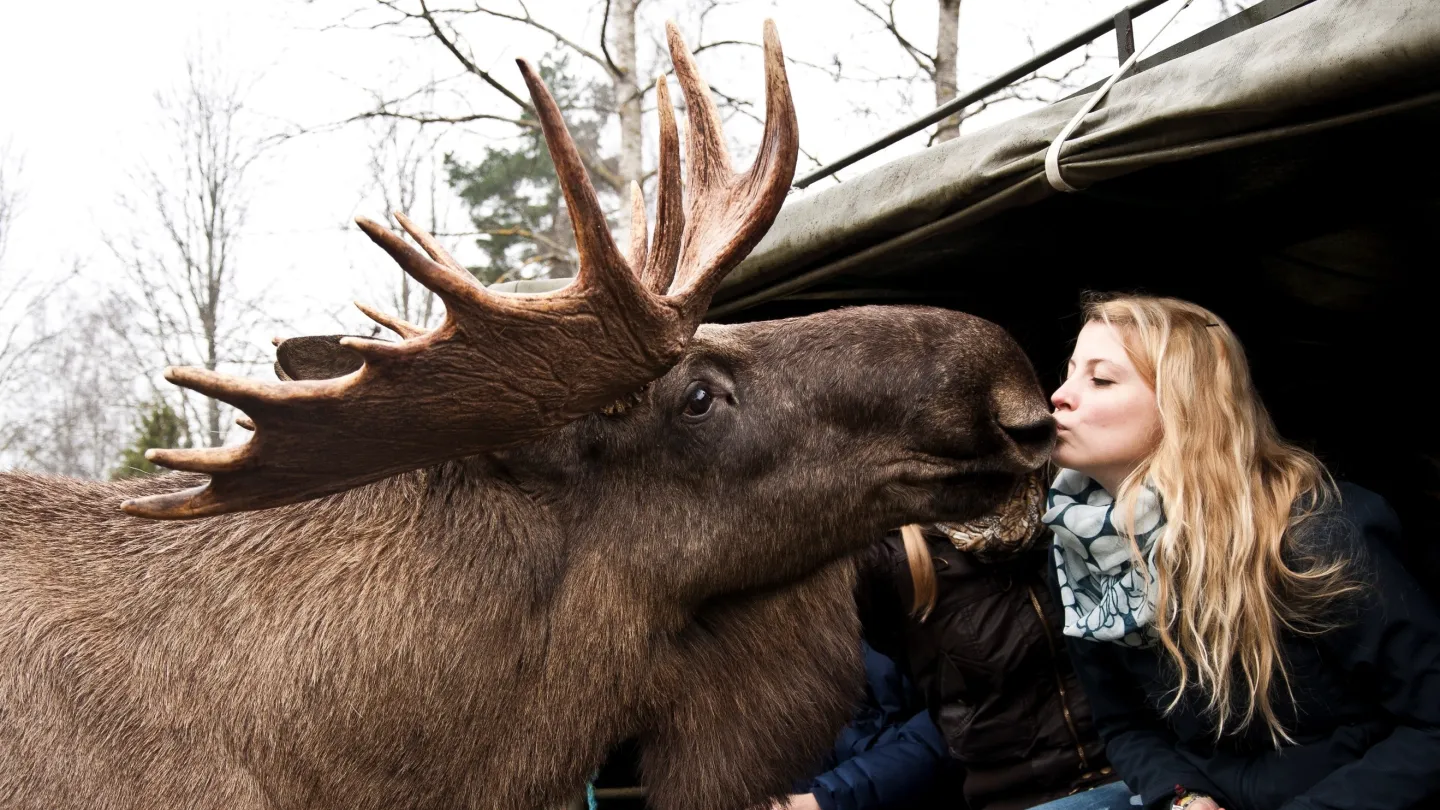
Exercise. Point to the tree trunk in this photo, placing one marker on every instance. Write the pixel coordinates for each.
(947, 47)
(627, 94)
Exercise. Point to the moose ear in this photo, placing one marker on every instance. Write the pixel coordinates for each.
(315, 357)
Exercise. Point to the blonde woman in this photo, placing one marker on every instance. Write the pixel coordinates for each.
(1245, 637)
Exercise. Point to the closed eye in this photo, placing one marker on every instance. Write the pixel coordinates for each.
(1101, 382)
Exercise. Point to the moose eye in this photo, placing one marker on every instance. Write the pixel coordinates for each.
(698, 401)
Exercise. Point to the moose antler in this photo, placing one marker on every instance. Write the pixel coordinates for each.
(502, 369)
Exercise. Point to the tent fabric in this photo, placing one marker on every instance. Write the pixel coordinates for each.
(1322, 65)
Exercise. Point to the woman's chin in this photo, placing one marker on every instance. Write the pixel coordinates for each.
(1061, 458)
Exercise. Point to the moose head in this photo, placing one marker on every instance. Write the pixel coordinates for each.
(454, 569)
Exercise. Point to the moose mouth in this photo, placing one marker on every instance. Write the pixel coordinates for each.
(1007, 529)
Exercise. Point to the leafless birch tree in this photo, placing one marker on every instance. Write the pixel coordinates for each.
(940, 68)
(183, 257)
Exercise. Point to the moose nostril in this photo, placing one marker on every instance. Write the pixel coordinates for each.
(1035, 434)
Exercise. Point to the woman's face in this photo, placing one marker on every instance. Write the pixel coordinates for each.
(1106, 413)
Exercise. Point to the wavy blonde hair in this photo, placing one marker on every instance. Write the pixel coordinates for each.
(1234, 494)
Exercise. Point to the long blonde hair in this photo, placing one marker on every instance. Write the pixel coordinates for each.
(922, 571)
(1234, 493)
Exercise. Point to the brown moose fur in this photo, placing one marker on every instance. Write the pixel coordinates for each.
(479, 634)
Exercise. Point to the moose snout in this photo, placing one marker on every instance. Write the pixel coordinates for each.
(1020, 412)
(1031, 442)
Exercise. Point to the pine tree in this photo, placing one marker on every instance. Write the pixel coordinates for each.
(160, 426)
(514, 196)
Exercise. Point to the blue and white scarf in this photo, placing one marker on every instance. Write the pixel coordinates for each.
(1104, 596)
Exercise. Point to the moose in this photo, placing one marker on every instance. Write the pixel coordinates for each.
(454, 569)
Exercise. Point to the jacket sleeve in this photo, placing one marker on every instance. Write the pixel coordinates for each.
(896, 765)
(1137, 742)
(1391, 647)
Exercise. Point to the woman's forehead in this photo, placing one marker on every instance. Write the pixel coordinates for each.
(1100, 342)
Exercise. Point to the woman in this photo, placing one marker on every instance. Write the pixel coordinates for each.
(1244, 635)
(968, 610)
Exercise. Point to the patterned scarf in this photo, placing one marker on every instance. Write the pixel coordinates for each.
(1104, 596)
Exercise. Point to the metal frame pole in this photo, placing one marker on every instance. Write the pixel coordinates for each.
(996, 84)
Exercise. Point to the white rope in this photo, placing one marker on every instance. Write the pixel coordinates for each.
(1052, 155)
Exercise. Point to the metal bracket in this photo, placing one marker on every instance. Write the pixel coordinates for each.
(1124, 36)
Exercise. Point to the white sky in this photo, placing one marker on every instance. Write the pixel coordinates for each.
(77, 105)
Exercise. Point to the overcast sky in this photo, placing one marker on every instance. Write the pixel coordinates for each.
(78, 107)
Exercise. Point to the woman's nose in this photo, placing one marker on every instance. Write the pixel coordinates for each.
(1061, 398)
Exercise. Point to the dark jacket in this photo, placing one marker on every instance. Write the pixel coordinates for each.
(890, 756)
(994, 672)
(1366, 715)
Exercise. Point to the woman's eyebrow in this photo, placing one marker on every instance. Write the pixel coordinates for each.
(1110, 365)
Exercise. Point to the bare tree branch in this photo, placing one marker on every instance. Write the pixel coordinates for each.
(529, 20)
(829, 70)
(454, 49)
(421, 118)
(452, 45)
(925, 61)
(604, 46)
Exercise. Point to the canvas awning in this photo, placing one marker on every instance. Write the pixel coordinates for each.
(1326, 65)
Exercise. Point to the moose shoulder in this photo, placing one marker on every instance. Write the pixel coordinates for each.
(457, 575)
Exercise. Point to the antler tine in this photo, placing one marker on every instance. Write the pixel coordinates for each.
(659, 270)
(241, 392)
(638, 229)
(431, 246)
(208, 460)
(403, 328)
(708, 161)
(727, 214)
(455, 290)
(600, 259)
(774, 166)
(185, 503)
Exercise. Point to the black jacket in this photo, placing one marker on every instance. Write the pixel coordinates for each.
(994, 671)
(1366, 714)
